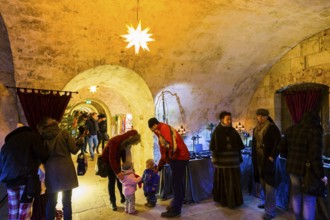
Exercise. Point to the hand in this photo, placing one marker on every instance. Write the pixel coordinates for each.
(120, 176)
(325, 180)
(271, 159)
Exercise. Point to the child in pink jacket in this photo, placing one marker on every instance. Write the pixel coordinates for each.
(129, 186)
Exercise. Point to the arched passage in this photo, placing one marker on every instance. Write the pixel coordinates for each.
(119, 86)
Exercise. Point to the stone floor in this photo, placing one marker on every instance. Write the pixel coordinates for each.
(91, 201)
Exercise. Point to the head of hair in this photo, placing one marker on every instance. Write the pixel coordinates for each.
(223, 114)
(150, 161)
(45, 122)
(152, 122)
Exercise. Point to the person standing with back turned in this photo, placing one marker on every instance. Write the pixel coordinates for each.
(300, 143)
(174, 152)
(60, 171)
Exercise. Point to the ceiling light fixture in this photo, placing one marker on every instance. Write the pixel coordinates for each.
(137, 37)
(93, 89)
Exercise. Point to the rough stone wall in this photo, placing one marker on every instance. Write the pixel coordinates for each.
(308, 62)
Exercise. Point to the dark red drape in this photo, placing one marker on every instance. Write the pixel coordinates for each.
(301, 101)
(37, 105)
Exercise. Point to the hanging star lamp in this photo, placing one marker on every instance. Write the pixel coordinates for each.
(137, 37)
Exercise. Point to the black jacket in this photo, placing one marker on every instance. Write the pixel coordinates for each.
(21, 155)
(271, 141)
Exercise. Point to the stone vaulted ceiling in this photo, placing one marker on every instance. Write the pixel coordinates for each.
(213, 52)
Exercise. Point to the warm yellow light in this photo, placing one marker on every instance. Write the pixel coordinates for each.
(137, 37)
(92, 89)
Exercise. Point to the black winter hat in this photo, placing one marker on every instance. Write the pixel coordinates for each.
(152, 122)
(263, 112)
(101, 116)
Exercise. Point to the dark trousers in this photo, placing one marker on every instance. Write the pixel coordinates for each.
(178, 168)
(52, 201)
(112, 179)
(151, 198)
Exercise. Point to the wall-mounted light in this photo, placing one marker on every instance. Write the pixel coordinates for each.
(182, 130)
(239, 127)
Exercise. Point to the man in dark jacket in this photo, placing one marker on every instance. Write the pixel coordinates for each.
(20, 158)
(266, 138)
(92, 128)
(303, 142)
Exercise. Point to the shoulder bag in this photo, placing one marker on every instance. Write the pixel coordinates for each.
(311, 184)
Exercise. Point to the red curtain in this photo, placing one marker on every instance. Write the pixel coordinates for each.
(301, 101)
(37, 104)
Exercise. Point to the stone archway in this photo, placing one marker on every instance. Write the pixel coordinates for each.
(119, 84)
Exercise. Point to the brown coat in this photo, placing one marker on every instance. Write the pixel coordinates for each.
(60, 170)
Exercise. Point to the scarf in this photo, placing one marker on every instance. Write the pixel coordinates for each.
(259, 133)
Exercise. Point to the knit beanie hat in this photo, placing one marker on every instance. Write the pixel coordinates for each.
(152, 122)
(263, 112)
(127, 166)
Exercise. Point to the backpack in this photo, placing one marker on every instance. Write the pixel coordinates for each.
(82, 164)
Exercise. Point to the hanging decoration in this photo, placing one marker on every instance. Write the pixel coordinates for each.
(137, 37)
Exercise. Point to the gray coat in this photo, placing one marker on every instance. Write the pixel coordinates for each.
(60, 170)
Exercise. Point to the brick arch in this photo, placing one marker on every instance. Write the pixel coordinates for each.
(8, 100)
(133, 92)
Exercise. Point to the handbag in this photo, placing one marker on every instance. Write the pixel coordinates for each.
(311, 184)
(106, 136)
(102, 167)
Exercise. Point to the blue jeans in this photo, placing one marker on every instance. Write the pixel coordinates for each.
(268, 198)
(92, 142)
(51, 205)
(304, 206)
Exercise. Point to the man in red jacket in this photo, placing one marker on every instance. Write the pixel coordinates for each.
(174, 152)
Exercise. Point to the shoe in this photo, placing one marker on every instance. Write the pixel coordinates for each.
(122, 200)
(114, 207)
(169, 214)
(97, 151)
(133, 213)
(267, 217)
(261, 206)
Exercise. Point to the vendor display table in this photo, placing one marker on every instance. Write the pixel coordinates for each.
(198, 184)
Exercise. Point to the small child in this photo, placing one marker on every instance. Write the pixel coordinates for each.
(150, 180)
(129, 186)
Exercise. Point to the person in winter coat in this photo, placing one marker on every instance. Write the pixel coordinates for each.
(92, 129)
(174, 152)
(129, 181)
(60, 171)
(117, 150)
(265, 143)
(102, 135)
(150, 180)
(300, 143)
(20, 157)
(226, 146)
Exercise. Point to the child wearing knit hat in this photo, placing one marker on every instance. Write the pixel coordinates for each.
(129, 186)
